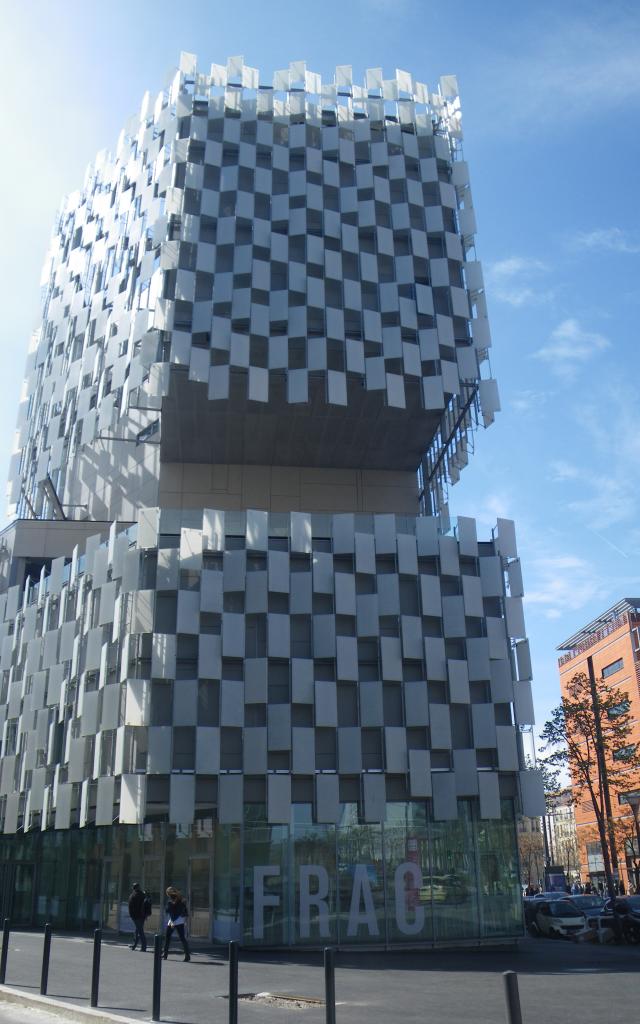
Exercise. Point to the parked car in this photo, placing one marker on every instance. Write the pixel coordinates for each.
(627, 911)
(450, 888)
(557, 919)
(591, 905)
(531, 903)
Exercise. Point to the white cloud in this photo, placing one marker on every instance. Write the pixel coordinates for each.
(604, 240)
(562, 470)
(607, 500)
(560, 584)
(491, 507)
(526, 401)
(513, 281)
(575, 67)
(614, 502)
(569, 346)
(565, 585)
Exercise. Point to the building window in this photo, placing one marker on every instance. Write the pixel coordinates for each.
(615, 666)
(595, 859)
(625, 753)
(619, 709)
(184, 749)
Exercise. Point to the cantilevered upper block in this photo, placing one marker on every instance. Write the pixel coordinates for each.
(270, 273)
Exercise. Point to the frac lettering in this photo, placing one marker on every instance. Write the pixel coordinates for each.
(317, 899)
(407, 896)
(262, 899)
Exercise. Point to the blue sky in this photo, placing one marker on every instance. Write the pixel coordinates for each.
(551, 101)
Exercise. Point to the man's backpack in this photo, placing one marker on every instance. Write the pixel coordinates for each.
(147, 906)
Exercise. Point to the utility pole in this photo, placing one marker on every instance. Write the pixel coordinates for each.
(634, 802)
(547, 851)
(604, 780)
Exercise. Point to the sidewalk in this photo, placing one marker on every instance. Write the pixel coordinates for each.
(560, 983)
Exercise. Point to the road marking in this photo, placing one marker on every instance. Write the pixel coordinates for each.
(585, 970)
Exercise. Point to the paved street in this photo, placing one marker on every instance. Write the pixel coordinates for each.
(560, 983)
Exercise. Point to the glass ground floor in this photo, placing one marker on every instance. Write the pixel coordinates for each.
(409, 880)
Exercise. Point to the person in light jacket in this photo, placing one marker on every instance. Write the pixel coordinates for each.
(177, 914)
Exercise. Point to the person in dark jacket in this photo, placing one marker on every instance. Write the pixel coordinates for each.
(177, 914)
(136, 913)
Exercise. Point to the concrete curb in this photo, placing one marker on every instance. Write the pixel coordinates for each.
(60, 1009)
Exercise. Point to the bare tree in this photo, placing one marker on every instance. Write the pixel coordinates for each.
(531, 850)
(590, 735)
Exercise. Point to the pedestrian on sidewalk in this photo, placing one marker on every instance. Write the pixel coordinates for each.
(137, 914)
(177, 914)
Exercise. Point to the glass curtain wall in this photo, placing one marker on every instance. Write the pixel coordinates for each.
(409, 880)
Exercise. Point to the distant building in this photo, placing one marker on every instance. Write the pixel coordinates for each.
(528, 826)
(244, 649)
(560, 825)
(609, 646)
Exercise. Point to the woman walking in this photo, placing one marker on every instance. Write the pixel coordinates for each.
(177, 914)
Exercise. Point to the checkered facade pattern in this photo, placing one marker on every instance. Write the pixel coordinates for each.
(297, 249)
(280, 280)
(274, 658)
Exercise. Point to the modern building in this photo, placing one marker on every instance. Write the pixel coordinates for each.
(245, 650)
(608, 648)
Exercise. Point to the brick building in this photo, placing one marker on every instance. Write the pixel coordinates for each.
(608, 647)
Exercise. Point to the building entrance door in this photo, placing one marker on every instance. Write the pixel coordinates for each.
(199, 897)
(112, 871)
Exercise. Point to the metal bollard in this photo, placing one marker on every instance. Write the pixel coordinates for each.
(514, 1015)
(5, 950)
(330, 985)
(95, 967)
(46, 954)
(233, 983)
(157, 976)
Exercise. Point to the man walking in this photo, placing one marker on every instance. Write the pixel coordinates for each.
(137, 914)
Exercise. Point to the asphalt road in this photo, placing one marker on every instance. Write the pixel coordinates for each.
(560, 983)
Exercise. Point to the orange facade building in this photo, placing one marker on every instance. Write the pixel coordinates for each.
(609, 647)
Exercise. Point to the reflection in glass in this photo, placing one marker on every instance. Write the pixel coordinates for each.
(406, 846)
(408, 880)
(500, 903)
(266, 904)
(199, 897)
(313, 878)
(152, 885)
(453, 887)
(23, 893)
(111, 894)
(227, 883)
(361, 914)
